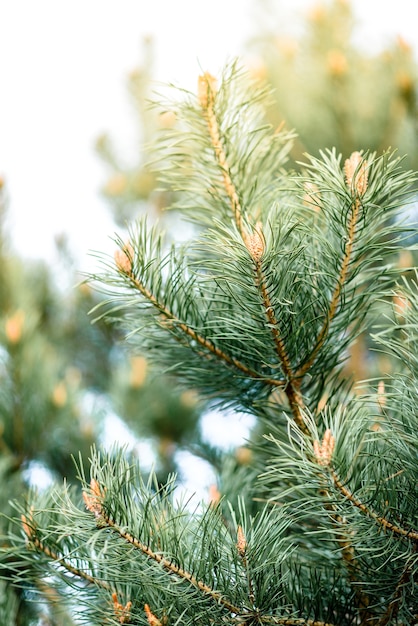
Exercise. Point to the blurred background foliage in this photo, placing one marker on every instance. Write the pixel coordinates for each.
(62, 378)
(335, 92)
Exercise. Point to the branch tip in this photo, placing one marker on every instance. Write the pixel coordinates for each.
(241, 542)
(254, 242)
(124, 258)
(93, 501)
(206, 90)
(323, 451)
(355, 170)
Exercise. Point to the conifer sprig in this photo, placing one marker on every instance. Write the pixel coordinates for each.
(257, 312)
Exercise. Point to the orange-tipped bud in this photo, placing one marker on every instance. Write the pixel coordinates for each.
(241, 542)
(255, 242)
(14, 327)
(206, 89)
(152, 619)
(122, 613)
(323, 451)
(214, 495)
(124, 258)
(355, 170)
(93, 500)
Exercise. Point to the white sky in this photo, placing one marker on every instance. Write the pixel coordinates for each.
(63, 69)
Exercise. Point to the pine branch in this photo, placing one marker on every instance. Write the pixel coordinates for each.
(323, 453)
(253, 241)
(381, 521)
(29, 529)
(356, 179)
(93, 502)
(207, 95)
(292, 386)
(124, 261)
(267, 298)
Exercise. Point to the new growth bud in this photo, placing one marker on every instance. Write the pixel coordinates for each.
(152, 619)
(355, 170)
(255, 242)
(323, 451)
(241, 542)
(206, 90)
(122, 613)
(214, 495)
(93, 500)
(124, 258)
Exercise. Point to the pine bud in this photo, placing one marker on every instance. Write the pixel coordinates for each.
(122, 613)
(241, 542)
(355, 170)
(93, 500)
(337, 63)
(312, 196)
(116, 185)
(406, 260)
(152, 619)
(401, 304)
(243, 455)
(124, 258)
(323, 452)
(167, 119)
(255, 242)
(138, 372)
(206, 89)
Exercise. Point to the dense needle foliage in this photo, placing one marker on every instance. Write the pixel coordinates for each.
(257, 312)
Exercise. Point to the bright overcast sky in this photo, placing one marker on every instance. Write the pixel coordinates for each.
(63, 69)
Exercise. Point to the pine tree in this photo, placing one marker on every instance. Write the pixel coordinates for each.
(256, 312)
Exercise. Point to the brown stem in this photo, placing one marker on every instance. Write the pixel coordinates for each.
(348, 555)
(393, 607)
(335, 299)
(202, 341)
(169, 566)
(230, 188)
(382, 521)
(292, 387)
(70, 568)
